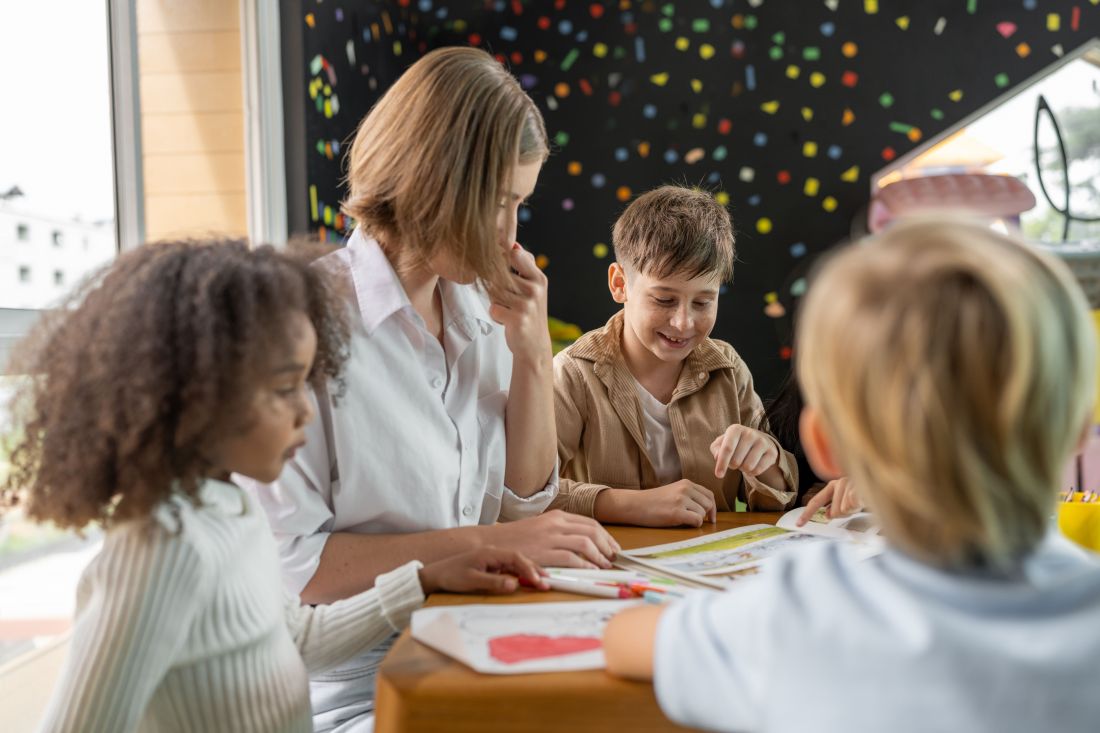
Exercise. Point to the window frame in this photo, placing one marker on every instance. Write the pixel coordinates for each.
(265, 154)
(126, 152)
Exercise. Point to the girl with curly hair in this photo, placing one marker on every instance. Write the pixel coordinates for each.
(183, 365)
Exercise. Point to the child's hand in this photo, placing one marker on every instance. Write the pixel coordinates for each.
(749, 451)
(672, 505)
(521, 309)
(839, 495)
(484, 570)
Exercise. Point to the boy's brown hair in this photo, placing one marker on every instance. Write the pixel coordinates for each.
(430, 163)
(152, 359)
(675, 230)
(954, 370)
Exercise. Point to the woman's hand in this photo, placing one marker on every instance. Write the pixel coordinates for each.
(521, 308)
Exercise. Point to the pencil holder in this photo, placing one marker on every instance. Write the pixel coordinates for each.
(1080, 522)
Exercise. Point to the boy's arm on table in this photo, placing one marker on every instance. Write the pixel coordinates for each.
(679, 503)
(628, 642)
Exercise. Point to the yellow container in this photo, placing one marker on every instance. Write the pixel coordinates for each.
(1080, 522)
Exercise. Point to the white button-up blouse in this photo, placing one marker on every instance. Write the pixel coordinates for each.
(416, 441)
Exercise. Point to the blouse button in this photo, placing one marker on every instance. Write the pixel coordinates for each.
(467, 510)
(437, 383)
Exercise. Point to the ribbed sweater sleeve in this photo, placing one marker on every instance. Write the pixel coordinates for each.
(329, 634)
(138, 599)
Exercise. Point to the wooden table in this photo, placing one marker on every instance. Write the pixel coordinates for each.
(421, 690)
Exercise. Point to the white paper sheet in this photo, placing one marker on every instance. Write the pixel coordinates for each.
(518, 638)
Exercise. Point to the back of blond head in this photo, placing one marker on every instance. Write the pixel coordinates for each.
(430, 162)
(954, 369)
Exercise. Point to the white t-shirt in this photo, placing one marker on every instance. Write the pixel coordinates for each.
(825, 642)
(659, 443)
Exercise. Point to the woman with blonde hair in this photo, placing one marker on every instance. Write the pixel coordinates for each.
(447, 424)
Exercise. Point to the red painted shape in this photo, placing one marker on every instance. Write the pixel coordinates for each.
(525, 647)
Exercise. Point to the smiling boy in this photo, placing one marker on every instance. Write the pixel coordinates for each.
(658, 424)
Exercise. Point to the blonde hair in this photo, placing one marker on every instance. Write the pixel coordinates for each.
(672, 230)
(430, 162)
(954, 369)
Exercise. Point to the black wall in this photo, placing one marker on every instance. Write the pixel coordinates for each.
(921, 65)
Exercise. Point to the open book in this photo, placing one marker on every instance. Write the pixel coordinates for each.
(716, 560)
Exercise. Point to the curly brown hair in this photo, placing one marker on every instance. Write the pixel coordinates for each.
(150, 360)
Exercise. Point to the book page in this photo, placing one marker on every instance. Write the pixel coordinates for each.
(728, 553)
(858, 527)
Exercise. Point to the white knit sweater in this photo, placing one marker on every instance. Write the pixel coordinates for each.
(182, 624)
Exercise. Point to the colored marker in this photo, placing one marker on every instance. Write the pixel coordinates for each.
(589, 587)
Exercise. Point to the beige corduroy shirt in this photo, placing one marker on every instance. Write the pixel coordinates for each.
(601, 437)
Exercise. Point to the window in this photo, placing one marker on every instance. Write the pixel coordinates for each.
(68, 192)
(1006, 137)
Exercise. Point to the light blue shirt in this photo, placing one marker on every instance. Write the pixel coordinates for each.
(823, 641)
